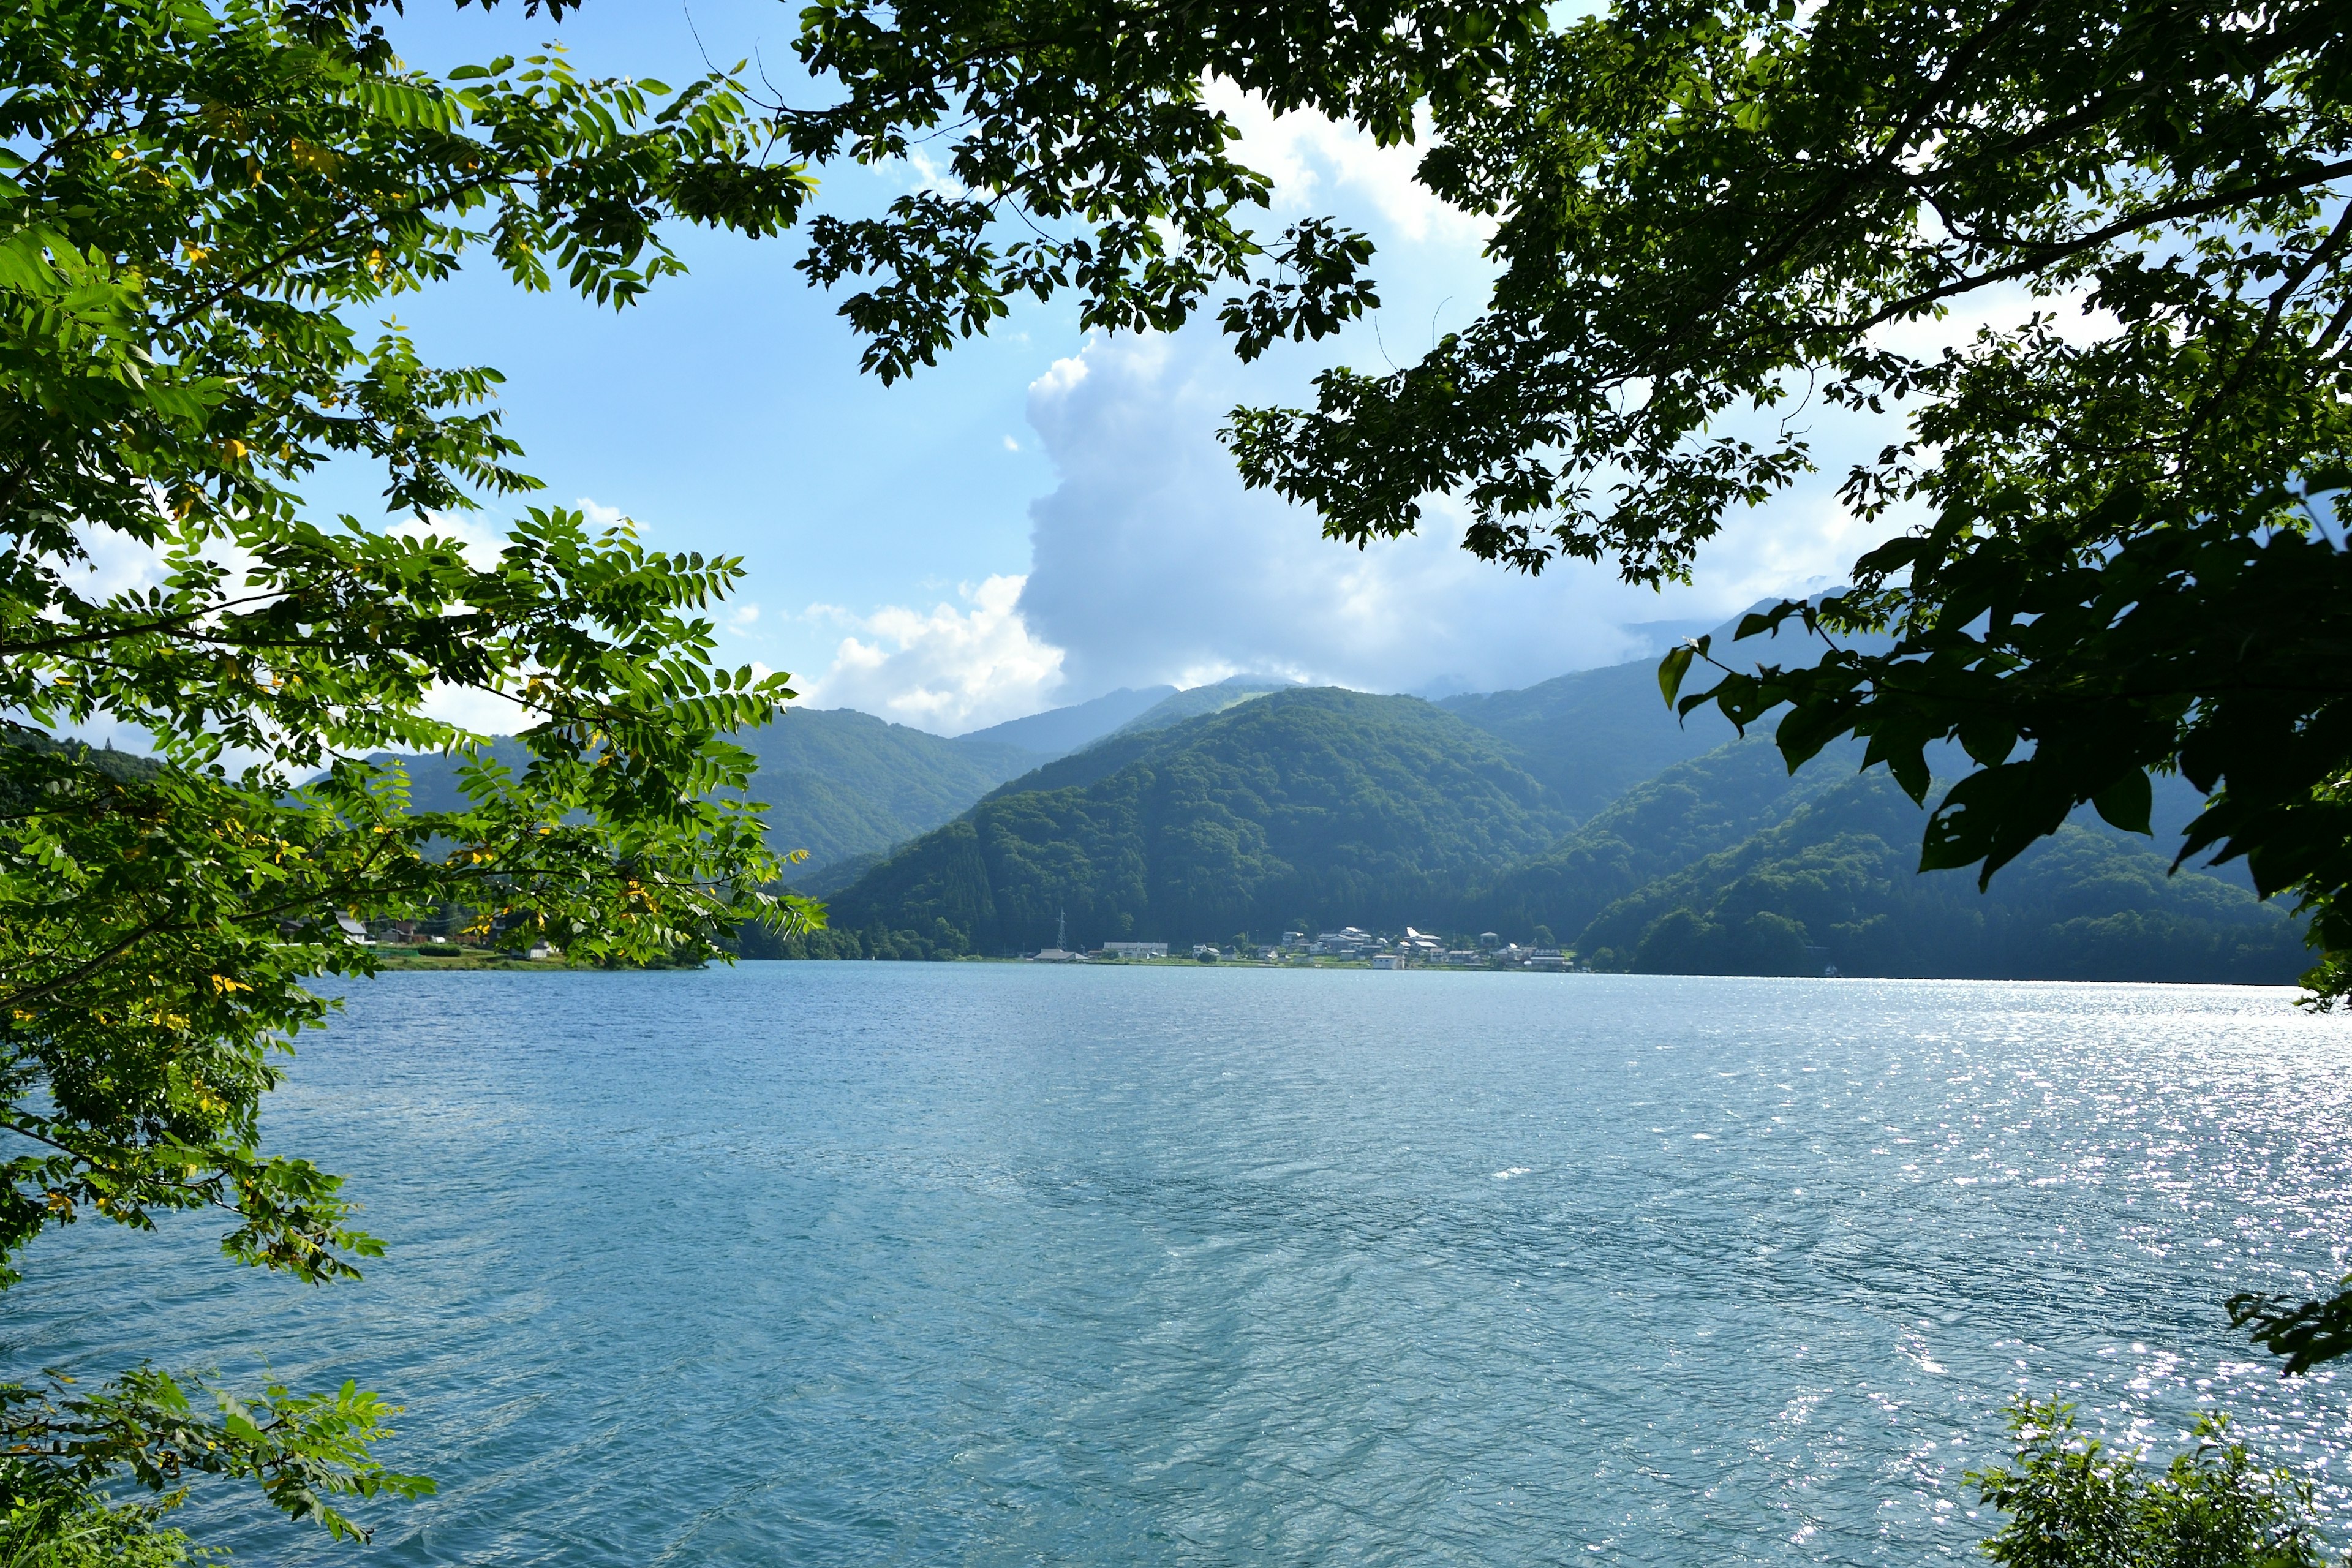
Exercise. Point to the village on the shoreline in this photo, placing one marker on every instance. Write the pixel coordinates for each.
(1350, 945)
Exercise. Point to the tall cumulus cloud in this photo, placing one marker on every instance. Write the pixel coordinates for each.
(1150, 562)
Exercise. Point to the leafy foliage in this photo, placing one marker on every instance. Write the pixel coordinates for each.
(197, 203)
(2074, 1503)
(303, 1450)
(1080, 153)
(67, 1527)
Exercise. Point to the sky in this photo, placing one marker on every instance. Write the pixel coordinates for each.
(1047, 515)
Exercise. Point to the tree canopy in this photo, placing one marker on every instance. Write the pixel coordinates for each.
(200, 207)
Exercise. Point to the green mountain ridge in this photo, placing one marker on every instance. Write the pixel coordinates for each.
(1694, 809)
(840, 784)
(1299, 805)
(1199, 701)
(1335, 807)
(1590, 736)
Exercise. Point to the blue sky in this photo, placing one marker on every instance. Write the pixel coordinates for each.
(1044, 516)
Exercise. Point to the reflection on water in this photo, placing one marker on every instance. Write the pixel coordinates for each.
(912, 1264)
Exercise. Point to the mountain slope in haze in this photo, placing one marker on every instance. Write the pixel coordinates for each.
(1060, 731)
(1307, 804)
(1589, 736)
(1196, 701)
(433, 778)
(838, 784)
(1594, 734)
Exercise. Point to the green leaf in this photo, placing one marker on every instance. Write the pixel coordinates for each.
(1672, 668)
(2127, 803)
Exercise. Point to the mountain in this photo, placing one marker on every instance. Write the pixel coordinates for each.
(1324, 807)
(1058, 731)
(1140, 736)
(1688, 812)
(433, 778)
(1589, 736)
(839, 784)
(1725, 864)
(1305, 805)
(1835, 882)
(1195, 701)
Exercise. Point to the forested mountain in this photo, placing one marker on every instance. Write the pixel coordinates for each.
(1195, 701)
(1727, 865)
(839, 782)
(848, 787)
(1307, 804)
(1589, 736)
(1688, 812)
(1577, 808)
(1323, 807)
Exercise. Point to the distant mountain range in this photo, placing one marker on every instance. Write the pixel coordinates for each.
(848, 787)
(1576, 812)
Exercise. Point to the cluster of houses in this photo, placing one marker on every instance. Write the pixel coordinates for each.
(414, 933)
(1419, 950)
(1412, 949)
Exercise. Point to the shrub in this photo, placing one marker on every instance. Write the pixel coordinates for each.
(2073, 1502)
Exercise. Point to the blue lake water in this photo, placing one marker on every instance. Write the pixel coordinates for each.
(990, 1265)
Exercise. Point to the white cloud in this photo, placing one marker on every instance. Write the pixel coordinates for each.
(1011, 445)
(114, 564)
(469, 708)
(1150, 561)
(949, 669)
(478, 542)
(1311, 158)
(603, 516)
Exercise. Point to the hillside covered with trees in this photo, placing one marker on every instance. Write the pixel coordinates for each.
(1267, 812)
(1728, 865)
(1314, 808)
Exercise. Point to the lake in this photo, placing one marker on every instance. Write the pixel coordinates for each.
(998, 1264)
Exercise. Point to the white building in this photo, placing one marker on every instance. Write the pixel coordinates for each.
(1136, 948)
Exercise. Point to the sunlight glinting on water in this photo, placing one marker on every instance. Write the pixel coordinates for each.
(875, 1263)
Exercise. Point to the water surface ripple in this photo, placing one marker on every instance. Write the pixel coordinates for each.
(993, 1265)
